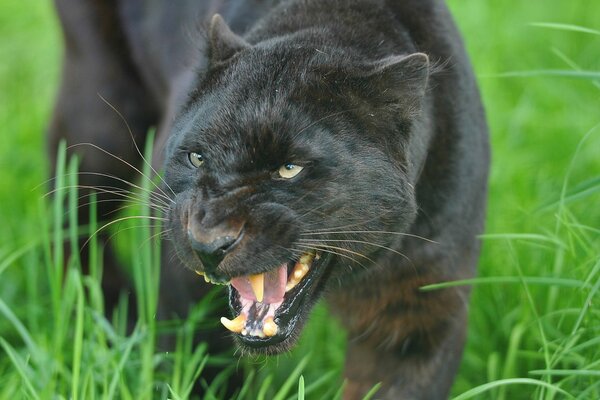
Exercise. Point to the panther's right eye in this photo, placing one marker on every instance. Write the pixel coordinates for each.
(196, 159)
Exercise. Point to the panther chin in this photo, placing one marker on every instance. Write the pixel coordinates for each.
(270, 308)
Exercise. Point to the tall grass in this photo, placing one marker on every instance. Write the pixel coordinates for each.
(534, 319)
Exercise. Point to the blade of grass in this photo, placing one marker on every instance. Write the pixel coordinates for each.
(340, 392)
(533, 280)
(15, 255)
(199, 359)
(20, 367)
(588, 301)
(32, 348)
(523, 236)
(135, 338)
(301, 388)
(559, 73)
(565, 372)
(571, 63)
(248, 380)
(479, 390)
(78, 335)
(372, 392)
(289, 382)
(314, 385)
(264, 387)
(72, 195)
(565, 27)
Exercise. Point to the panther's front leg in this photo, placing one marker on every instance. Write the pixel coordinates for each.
(409, 340)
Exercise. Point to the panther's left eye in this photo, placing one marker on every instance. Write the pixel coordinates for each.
(196, 159)
(289, 170)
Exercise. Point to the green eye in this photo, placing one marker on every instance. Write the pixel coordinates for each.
(196, 159)
(289, 170)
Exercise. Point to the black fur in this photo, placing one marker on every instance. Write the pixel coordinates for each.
(346, 89)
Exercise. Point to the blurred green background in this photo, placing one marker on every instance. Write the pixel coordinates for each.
(543, 214)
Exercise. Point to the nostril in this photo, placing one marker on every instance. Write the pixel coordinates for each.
(218, 245)
(223, 244)
(212, 251)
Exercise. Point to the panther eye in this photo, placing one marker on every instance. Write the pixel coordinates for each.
(196, 159)
(289, 170)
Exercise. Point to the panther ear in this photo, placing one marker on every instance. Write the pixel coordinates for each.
(222, 42)
(397, 80)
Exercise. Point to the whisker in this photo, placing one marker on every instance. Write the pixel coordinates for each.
(135, 144)
(312, 210)
(335, 253)
(130, 228)
(121, 220)
(362, 222)
(109, 190)
(128, 206)
(123, 161)
(125, 196)
(118, 209)
(149, 191)
(318, 232)
(356, 241)
(153, 237)
(128, 183)
(340, 249)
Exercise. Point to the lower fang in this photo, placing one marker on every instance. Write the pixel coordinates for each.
(236, 325)
(270, 328)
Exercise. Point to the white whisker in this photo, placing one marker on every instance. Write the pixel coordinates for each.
(355, 241)
(123, 161)
(318, 232)
(135, 144)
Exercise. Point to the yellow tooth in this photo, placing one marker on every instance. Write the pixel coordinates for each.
(235, 325)
(300, 270)
(290, 285)
(306, 259)
(258, 285)
(270, 328)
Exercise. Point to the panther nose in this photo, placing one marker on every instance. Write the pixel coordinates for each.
(212, 249)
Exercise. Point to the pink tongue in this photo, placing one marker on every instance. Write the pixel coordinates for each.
(275, 282)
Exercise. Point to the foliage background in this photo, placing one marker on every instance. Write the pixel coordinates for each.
(543, 218)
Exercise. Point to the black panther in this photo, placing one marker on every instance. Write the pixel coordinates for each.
(310, 148)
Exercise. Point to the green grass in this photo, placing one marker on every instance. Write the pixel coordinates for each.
(534, 328)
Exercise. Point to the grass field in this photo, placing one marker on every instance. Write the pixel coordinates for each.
(534, 321)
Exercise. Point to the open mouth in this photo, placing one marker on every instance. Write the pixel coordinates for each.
(268, 305)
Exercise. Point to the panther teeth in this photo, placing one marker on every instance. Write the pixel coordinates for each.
(257, 282)
(300, 270)
(236, 325)
(270, 328)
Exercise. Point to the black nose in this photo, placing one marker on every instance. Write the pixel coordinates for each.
(211, 254)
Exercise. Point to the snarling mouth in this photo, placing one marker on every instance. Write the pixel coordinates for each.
(269, 305)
